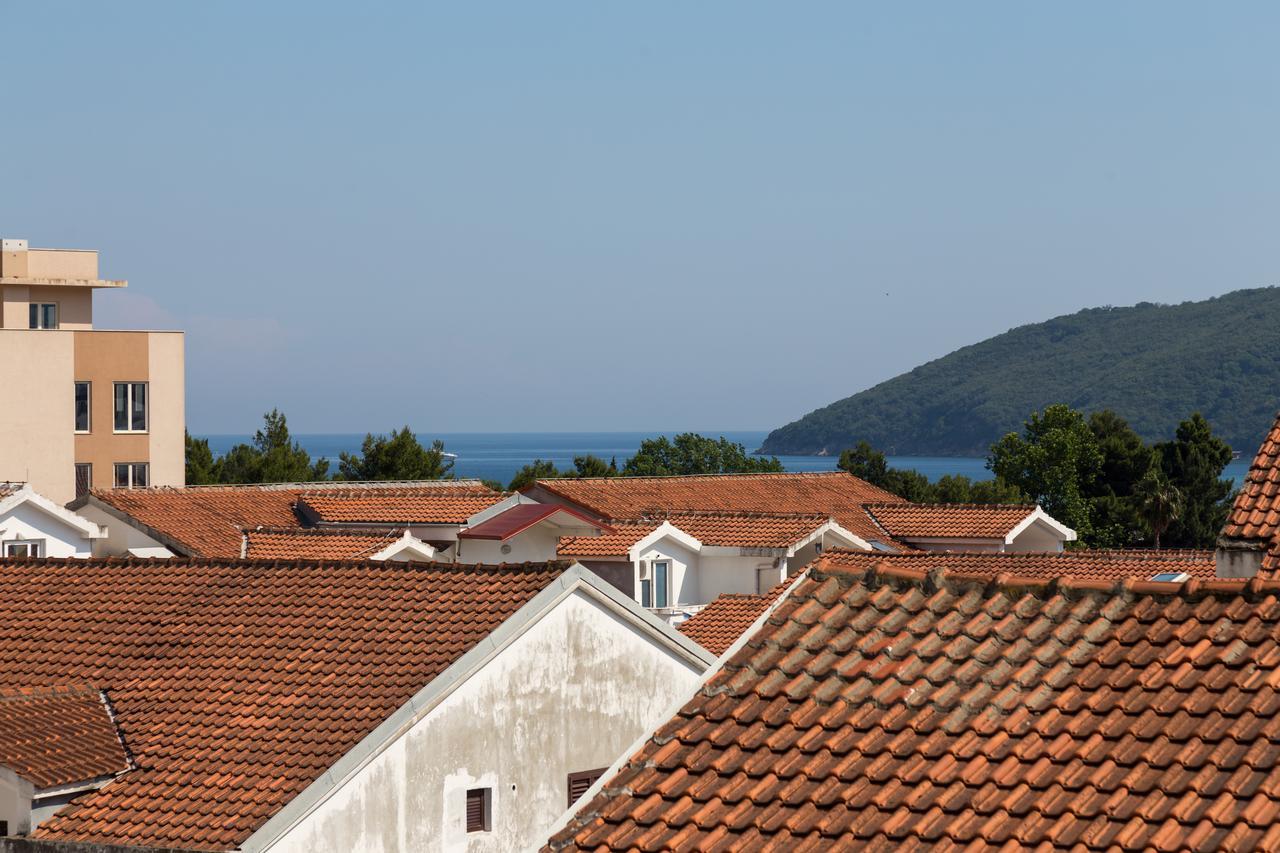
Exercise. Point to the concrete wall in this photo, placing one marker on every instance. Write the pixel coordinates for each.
(537, 544)
(62, 263)
(36, 430)
(1237, 562)
(120, 536)
(15, 801)
(570, 694)
(166, 371)
(1036, 538)
(60, 539)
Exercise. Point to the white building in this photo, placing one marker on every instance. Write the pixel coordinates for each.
(31, 525)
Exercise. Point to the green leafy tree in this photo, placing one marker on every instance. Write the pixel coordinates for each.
(691, 453)
(1193, 463)
(1126, 459)
(593, 466)
(273, 457)
(399, 456)
(538, 469)
(1055, 462)
(1159, 503)
(959, 489)
(867, 463)
(201, 469)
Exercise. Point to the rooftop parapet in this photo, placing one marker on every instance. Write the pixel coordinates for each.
(20, 264)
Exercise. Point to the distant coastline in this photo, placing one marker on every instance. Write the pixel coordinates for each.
(498, 456)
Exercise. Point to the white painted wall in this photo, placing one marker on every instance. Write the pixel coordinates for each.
(1037, 537)
(120, 537)
(684, 570)
(570, 694)
(25, 521)
(15, 801)
(536, 545)
(720, 575)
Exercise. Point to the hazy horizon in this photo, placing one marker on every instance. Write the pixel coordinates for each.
(586, 218)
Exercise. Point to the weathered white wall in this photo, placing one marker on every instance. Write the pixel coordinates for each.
(571, 694)
(15, 801)
(60, 539)
(537, 544)
(120, 536)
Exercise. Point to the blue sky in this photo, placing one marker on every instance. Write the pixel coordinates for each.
(593, 216)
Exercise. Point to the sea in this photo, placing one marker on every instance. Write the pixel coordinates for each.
(499, 455)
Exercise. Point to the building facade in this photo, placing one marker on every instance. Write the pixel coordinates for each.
(88, 408)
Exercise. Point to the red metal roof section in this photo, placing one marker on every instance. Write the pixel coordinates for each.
(521, 517)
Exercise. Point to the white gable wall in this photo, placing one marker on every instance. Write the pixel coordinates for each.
(121, 536)
(27, 522)
(570, 694)
(1037, 537)
(535, 545)
(685, 588)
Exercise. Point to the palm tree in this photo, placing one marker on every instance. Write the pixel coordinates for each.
(1159, 502)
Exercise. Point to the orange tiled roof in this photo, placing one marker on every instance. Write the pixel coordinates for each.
(718, 625)
(894, 709)
(1255, 515)
(949, 521)
(204, 522)
(835, 494)
(724, 620)
(315, 543)
(1081, 565)
(728, 529)
(61, 735)
(237, 683)
(401, 506)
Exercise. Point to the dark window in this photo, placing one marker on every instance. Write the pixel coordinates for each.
(84, 478)
(140, 475)
(82, 407)
(4, 828)
(130, 407)
(42, 315)
(479, 808)
(580, 782)
(661, 579)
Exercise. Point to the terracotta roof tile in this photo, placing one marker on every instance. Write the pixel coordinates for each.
(206, 521)
(1104, 565)
(718, 625)
(950, 717)
(59, 735)
(237, 683)
(834, 494)
(400, 506)
(949, 521)
(1255, 515)
(729, 529)
(316, 543)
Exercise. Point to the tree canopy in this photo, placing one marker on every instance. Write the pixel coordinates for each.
(272, 457)
(544, 469)
(399, 456)
(691, 453)
(867, 463)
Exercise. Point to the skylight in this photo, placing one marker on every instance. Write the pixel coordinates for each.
(1172, 577)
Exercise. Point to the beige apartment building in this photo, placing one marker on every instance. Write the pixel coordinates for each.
(83, 407)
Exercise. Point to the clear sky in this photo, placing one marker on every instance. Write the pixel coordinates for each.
(593, 216)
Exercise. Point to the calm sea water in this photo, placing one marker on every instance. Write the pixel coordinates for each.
(499, 455)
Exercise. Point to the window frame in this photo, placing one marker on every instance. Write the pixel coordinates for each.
(128, 407)
(485, 822)
(88, 480)
(666, 584)
(39, 318)
(38, 544)
(131, 478)
(88, 407)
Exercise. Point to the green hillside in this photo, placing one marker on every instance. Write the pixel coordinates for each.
(1153, 364)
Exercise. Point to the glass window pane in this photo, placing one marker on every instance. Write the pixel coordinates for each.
(139, 420)
(84, 478)
(122, 475)
(82, 406)
(122, 406)
(33, 316)
(140, 475)
(50, 316)
(660, 572)
(646, 596)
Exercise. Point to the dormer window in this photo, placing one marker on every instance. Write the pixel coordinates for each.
(43, 315)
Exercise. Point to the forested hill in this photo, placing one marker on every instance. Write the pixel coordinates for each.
(1153, 364)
